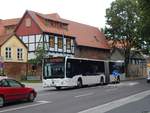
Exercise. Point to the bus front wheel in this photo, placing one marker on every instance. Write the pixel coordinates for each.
(79, 83)
(58, 87)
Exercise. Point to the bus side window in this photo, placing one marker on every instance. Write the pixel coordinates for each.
(68, 65)
(68, 69)
(71, 68)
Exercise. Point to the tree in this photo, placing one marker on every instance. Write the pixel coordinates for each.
(40, 53)
(122, 24)
(144, 6)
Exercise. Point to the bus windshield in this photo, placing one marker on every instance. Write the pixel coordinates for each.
(54, 70)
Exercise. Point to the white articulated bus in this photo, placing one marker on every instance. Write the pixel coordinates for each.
(68, 72)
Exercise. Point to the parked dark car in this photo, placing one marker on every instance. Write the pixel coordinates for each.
(12, 91)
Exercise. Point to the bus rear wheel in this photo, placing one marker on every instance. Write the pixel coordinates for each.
(79, 83)
(118, 79)
(102, 81)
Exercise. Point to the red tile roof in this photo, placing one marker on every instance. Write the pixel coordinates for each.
(13, 21)
(53, 17)
(2, 29)
(43, 27)
(5, 23)
(85, 35)
(6, 37)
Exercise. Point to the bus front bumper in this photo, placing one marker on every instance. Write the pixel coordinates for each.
(57, 83)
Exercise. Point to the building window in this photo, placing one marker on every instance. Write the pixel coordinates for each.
(46, 38)
(53, 24)
(27, 22)
(25, 39)
(68, 43)
(20, 53)
(59, 25)
(32, 41)
(8, 53)
(32, 47)
(72, 46)
(31, 38)
(47, 22)
(9, 29)
(52, 41)
(38, 38)
(60, 43)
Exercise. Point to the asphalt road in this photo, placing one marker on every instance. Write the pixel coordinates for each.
(126, 97)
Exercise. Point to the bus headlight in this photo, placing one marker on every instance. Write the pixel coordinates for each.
(62, 82)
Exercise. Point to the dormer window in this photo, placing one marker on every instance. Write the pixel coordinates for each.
(47, 22)
(65, 27)
(55, 24)
(28, 22)
(9, 29)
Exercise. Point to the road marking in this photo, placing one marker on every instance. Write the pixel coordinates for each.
(47, 93)
(114, 89)
(27, 106)
(117, 103)
(123, 84)
(133, 83)
(83, 95)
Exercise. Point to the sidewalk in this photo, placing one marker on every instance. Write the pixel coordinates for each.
(37, 86)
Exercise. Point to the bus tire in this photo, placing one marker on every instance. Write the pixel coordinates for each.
(79, 83)
(58, 87)
(118, 79)
(148, 81)
(102, 81)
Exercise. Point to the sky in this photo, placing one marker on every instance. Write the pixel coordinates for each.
(91, 12)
